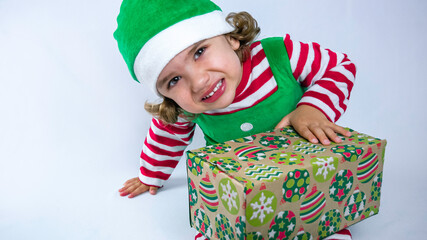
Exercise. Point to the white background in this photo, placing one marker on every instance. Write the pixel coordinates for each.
(72, 121)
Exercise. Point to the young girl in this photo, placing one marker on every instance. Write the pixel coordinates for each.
(209, 72)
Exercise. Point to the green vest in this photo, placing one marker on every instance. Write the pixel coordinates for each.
(265, 115)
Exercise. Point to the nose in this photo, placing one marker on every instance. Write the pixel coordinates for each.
(199, 80)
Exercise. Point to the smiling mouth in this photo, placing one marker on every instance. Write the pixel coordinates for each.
(218, 86)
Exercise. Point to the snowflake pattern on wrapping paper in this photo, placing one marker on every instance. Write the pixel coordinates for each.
(325, 167)
(262, 208)
(229, 196)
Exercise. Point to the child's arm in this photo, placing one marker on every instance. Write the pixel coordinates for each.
(328, 77)
(162, 149)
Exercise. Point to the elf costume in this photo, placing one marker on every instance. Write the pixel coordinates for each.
(279, 75)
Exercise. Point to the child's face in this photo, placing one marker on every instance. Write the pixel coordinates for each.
(204, 76)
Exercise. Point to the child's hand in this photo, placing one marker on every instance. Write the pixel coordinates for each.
(133, 187)
(313, 125)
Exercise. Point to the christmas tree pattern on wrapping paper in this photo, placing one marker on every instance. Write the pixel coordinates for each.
(295, 185)
(208, 194)
(202, 223)
(240, 227)
(275, 142)
(224, 230)
(303, 235)
(355, 205)
(282, 226)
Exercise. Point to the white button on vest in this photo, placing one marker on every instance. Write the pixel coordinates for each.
(246, 127)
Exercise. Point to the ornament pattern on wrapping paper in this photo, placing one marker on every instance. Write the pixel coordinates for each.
(312, 206)
(329, 223)
(369, 212)
(250, 153)
(229, 196)
(262, 172)
(290, 132)
(295, 185)
(249, 185)
(208, 194)
(355, 205)
(376, 187)
(240, 227)
(307, 148)
(220, 148)
(324, 168)
(302, 235)
(226, 164)
(224, 230)
(349, 152)
(248, 139)
(192, 192)
(287, 158)
(195, 163)
(202, 223)
(363, 139)
(261, 208)
(341, 185)
(275, 142)
(282, 226)
(367, 167)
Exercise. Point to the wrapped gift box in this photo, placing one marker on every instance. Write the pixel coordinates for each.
(277, 185)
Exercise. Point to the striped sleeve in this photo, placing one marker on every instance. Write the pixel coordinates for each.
(328, 76)
(163, 148)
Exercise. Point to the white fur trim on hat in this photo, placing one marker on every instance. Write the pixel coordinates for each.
(164, 46)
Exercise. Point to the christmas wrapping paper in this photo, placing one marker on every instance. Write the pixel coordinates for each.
(277, 185)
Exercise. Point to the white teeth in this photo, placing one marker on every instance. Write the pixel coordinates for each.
(218, 85)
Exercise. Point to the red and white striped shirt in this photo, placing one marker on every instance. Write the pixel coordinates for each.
(328, 77)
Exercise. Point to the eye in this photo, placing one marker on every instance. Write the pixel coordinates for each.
(199, 52)
(173, 81)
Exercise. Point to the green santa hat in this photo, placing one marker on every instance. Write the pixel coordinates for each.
(151, 32)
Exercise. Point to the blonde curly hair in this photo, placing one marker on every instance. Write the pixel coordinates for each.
(245, 31)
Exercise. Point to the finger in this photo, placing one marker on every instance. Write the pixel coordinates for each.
(153, 190)
(131, 181)
(342, 131)
(283, 123)
(332, 135)
(320, 134)
(129, 188)
(138, 191)
(307, 134)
